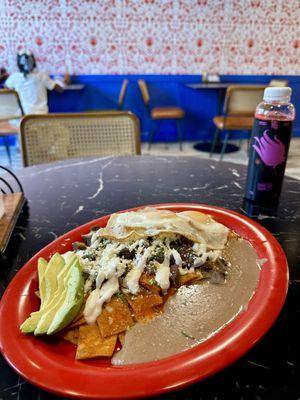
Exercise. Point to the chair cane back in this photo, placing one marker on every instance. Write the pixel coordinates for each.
(53, 137)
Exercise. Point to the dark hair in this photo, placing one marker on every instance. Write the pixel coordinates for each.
(26, 63)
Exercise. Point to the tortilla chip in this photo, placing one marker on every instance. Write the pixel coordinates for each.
(189, 278)
(142, 304)
(115, 317)
(77, 323)
(71, 335)
(148, 282)
(91, 344)
(165, 296)
(232, 235)
(121, 337)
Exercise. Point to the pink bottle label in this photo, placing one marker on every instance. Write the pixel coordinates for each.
(268, 152)
(271, 151)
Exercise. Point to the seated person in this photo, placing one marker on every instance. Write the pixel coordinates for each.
(3, 75)
(31, 85)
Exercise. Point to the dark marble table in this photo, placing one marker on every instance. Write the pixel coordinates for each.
(64, 195)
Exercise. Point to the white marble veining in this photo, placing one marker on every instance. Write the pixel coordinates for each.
(240, 157)
(100, 179)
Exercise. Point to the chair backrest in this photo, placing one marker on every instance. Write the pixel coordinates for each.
(278, 82)
(10, 105)
(53, 137)
(243, 99)
(144, 91)
(122, 94)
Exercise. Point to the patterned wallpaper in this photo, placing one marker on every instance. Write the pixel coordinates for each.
(154, 36)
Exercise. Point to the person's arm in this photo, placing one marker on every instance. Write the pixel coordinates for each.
(58, 88)
(10, 82)
(51, 84)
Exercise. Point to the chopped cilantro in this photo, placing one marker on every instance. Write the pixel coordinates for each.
(158, 255)
(187, 335)
(121, 296)
(104, 241)
(153, 282)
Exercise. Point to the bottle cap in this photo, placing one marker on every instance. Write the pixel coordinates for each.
(278, 94)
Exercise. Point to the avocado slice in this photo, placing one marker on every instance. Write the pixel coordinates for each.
(49, 285)
(72, 302)
(42, 265)
(57, 300)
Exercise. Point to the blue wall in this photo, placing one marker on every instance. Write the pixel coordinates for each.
(101, 93)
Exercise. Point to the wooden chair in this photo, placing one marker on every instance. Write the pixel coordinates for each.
(239, 108)
(122, 94)
(53, 137)
(278, 82)
(120, 101)
(10, 109)
(159, 113)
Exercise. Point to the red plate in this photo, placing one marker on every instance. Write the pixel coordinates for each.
(50, 364)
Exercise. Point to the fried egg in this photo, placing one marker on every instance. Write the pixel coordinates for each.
(194, 225)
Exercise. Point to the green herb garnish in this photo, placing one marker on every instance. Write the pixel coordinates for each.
(153, 282)
(187, 335)
(104, 241)
(121, 297)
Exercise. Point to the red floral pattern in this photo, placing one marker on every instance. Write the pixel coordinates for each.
(153, 36)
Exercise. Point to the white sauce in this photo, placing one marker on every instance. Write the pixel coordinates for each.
(177, 257)
(98, 297)
(133, 276)
(162, 276)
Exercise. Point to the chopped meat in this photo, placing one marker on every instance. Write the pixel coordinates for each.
(216, 271)
(174, 277)
(87, 238)
(79, 246)
(188, 258)
(127, 254)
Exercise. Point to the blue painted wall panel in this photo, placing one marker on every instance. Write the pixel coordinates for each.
(101, 93)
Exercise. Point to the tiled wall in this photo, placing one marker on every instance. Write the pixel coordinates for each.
(154, 36)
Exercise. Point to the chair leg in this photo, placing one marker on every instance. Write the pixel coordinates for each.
(151, 136)
(6, 144)
(214, 142)
(224, 145)
(179, 134)
(240, 142)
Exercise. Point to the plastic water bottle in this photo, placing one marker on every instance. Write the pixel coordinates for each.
(269, 146)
